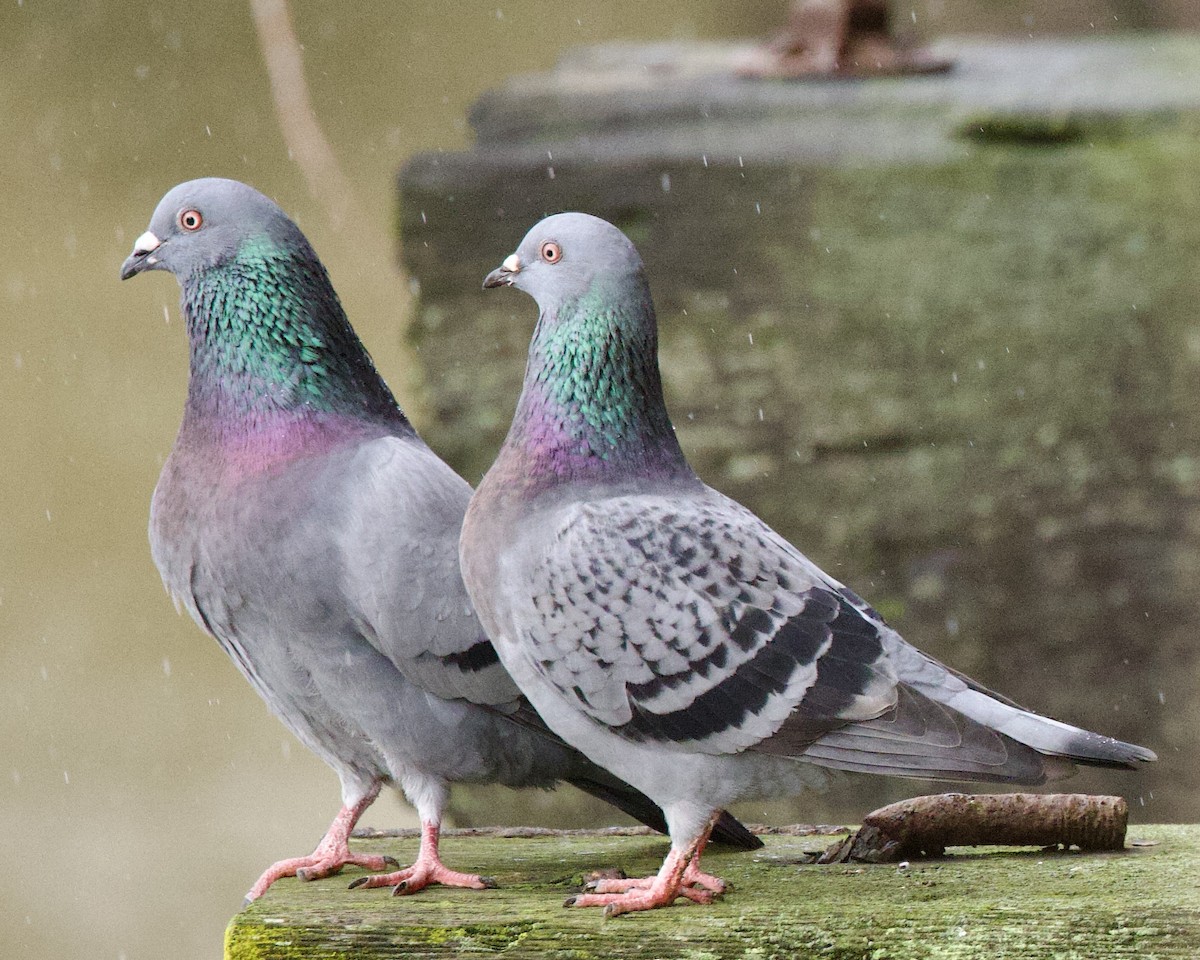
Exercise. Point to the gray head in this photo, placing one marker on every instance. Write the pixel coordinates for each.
(204, 223)
(563, 255)
(591, 409)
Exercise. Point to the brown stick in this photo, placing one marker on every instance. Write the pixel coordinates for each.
(925, 826)
(297, 120)
(327, 182)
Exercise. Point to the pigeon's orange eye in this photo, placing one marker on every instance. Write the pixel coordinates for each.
(190, 219)
(551, 252)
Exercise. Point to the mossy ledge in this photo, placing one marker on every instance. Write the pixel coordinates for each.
(992, 902)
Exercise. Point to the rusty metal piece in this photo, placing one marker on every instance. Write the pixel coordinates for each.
(839, 38)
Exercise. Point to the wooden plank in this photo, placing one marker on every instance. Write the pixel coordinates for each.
(1144, 902)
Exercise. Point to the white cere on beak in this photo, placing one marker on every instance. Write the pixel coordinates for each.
(146, 243)
(512, 263)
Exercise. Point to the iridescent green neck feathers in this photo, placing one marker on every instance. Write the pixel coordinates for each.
(592, 405)
(269, 336)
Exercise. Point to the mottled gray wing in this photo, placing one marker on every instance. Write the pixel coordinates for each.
(693, 622)
(401, 514)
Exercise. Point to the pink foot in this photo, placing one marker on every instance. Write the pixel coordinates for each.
(426, 869)
(659, 892)
(419, 876)
(332, 853)
(693, 876)
(318, 865)
(679, 876)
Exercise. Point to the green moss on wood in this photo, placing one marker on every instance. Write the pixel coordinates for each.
(998, 904)
(1056, 129)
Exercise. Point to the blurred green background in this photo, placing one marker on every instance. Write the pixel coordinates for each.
(145, 785)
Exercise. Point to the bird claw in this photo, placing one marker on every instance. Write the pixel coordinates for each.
(319, 871)
(316, 866)
(618, 895)
(421, 874)
(702, 882)
(650, 899)
(615, 904)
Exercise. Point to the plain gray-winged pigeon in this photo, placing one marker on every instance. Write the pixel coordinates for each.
(304, 524)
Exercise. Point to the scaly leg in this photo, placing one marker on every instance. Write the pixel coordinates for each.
(332, 853)
(679, 876)
(428, 868)
(693, 876)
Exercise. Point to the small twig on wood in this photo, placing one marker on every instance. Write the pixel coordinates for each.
(925, 826)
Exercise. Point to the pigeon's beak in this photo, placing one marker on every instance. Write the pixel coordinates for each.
(142, 257)
(503, 275)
